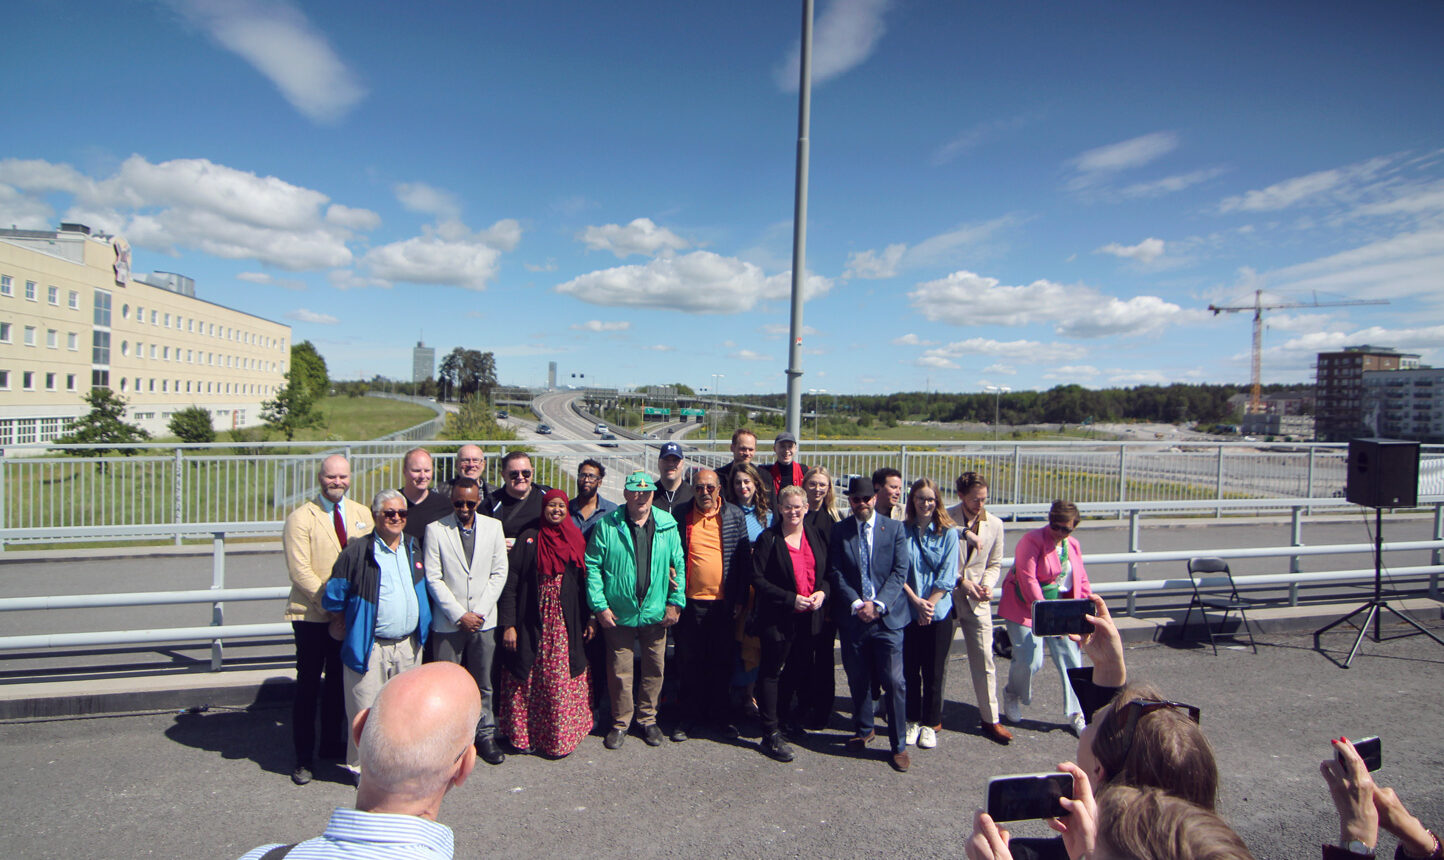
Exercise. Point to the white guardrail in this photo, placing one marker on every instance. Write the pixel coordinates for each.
(218, 594)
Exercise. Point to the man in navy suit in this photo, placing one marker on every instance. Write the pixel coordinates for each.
(868, 564)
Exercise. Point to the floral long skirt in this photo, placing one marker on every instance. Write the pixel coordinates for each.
(549, 711)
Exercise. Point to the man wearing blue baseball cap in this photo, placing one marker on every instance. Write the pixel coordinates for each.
(635, 576)
(671, 489)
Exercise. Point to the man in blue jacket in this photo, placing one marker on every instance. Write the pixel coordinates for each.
(379, 584)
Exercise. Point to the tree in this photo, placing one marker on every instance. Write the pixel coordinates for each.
(293, 408)
(474, 421)
(103, 423)
(464, 372)
(193, 424)
(308, 367)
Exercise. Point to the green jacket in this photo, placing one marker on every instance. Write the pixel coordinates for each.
(612, 569)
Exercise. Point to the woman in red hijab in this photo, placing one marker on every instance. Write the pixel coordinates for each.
(545, 622)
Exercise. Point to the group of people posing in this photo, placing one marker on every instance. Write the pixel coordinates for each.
(561, 607)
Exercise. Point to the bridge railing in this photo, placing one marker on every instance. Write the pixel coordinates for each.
(217, 633)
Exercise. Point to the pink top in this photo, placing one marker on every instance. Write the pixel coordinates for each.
(1035, 561)
(804, 567)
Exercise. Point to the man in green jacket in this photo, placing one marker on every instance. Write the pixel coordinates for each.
(635, 575)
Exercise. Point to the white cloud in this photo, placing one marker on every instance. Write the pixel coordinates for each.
(979, 134)
(1071, 372)
(749, 355)
(1172, 184)
(1145, 252)
(548, 266)
(469, 262)
(659, 347)
(275, 37)
(911, 339)
(938, 361)
(844, 35)
(935, 250)
(1016, 350)
(306, 316)
(23, 211)
(1004, 369)
(420, 197)
(264, 278)
(641, 236)
(700, 282)
(195, 203)
(1100, 164)
(600, 325)
(1406, 265)
(352, 219)
(1340, 184)
(966, 298)
(1122, 376)
(776, 330)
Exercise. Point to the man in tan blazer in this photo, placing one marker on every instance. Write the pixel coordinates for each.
(466, 568)
(313, 537)
(980, 557)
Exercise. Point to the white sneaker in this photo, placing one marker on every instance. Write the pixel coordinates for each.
(927, 738)
(912, 734)
(1012, 707)
(1078, 724)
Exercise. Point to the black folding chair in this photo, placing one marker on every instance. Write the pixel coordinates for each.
(1216, 597)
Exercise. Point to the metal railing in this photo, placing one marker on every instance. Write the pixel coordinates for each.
(219, 594)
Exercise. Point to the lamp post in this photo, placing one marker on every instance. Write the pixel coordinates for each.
(713, 411)
(997, 391)
(816, 421)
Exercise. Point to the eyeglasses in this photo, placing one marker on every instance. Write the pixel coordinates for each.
(394, 515)
(471, 461)
(859, 500)
(1138, 708)
(519, 473)
(461, 503)
(588, 476)
(1062, 530)
(706, 488)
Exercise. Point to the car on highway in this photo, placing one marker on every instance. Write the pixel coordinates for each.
(503, 414)
(609, 440)
(544, 429)
(599, 429)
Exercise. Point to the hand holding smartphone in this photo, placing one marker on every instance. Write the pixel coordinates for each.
(1369, 749)
(1061, 617)
(1033, 795)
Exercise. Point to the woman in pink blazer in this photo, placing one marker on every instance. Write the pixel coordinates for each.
(1047, 564)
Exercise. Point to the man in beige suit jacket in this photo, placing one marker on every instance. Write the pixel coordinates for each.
(980, 557)
(466, 567)
(313, 537)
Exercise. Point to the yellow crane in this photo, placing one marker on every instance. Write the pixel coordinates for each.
(1255, 400)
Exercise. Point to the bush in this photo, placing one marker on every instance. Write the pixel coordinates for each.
(193, 424)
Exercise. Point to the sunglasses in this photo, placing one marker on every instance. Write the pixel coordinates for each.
(1062, 530)
(460, 503)
(394, 515)
(519, 473)
(707, 488)
(1138, 708)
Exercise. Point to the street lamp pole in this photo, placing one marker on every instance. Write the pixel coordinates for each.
(816, 421)
(997, 391)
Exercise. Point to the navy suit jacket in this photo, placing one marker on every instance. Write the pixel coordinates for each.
(890, 564)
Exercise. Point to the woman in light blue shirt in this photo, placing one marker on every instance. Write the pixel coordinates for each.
(933, 545)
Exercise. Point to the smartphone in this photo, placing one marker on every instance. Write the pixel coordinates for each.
(1369, 750)
(1030, 795)
(1061, 617)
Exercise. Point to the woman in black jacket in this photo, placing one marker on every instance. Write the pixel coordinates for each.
(545, 622)
(789, 576)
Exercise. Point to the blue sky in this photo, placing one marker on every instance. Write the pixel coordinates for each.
(1000, 195)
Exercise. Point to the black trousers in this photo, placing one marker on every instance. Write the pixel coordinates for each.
(786, 670)
(925, 666)
(706, 650)
(317, 655)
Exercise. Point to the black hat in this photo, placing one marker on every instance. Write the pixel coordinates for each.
(860, 487)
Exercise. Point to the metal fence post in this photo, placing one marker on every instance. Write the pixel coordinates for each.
(179, 493)
(1122, 478)
(1438, 554)
(907, 476)
(1017, 476)
(1218, 485)
(1296, 539)
(218, 580)
(1133, 546)
(3, 491)
(1309, 490)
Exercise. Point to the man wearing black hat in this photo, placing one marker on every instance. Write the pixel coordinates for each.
(868, 563)
(671, 489)
(785, 471)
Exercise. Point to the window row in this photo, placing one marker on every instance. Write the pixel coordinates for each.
(162, 352)
(31, 379)
(153, 385)
(31, 335)
(194, 326)
(32, 292)
(19, 431)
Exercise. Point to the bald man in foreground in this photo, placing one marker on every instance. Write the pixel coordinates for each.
(416, 745)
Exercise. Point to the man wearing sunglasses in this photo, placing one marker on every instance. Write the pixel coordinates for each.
(518, 504)
(466, 567)
(379, 586)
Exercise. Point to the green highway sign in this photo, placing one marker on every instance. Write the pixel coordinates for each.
(693, 412)
(653, 410)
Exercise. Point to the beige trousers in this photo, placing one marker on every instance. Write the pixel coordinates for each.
(652, 642)
(977, 627)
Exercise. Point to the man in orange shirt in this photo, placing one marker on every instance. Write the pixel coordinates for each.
(719, 567)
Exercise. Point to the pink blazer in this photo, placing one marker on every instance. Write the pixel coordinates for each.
(1035, 563)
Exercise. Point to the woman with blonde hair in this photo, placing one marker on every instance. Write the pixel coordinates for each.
(933, 549)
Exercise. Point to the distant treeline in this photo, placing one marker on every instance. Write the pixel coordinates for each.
(1065, 404)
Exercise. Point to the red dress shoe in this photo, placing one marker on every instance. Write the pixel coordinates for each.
(997, 733)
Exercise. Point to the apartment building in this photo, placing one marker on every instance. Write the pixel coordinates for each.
(1339, 413)
(1405, 404)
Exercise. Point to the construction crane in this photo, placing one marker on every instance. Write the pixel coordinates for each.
(1255, 399)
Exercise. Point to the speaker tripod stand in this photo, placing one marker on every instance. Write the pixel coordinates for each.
(1376, 603)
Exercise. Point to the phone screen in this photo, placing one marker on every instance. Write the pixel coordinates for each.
(1370, 750)
(1016, 798)
(1061, 617)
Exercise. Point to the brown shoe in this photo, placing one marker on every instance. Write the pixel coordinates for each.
(901, 762)
(997, 732)
(857, 743)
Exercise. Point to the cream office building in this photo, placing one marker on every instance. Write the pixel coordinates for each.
(72, 317)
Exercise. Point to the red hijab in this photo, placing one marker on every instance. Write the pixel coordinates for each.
(560, 544)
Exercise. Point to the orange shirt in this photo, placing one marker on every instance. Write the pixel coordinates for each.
(704, 555)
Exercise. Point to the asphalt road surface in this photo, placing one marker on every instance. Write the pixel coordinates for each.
(215, 784)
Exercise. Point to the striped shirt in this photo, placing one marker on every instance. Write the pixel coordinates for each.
(362, 835)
